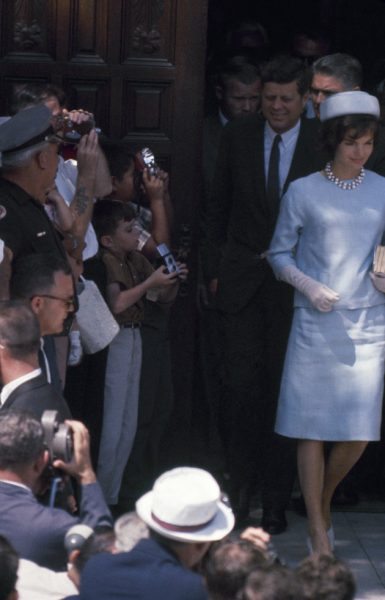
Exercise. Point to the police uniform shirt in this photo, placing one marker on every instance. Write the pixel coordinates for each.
(24, 225)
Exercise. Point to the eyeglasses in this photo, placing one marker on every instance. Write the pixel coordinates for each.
(68, 302)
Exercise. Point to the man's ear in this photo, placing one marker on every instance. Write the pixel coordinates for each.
(41, 462)
(219, 92)
(113, 182)
(106, 241)
(305, 99)
(41, 158)
(36, 304)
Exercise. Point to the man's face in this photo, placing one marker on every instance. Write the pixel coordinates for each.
(323, 86)
(282, 105)
(55, 304)
(237, 98)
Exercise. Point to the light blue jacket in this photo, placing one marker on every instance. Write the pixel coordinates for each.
(330, 234)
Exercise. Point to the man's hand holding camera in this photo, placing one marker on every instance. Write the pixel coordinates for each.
(153, 186)
(80, 466)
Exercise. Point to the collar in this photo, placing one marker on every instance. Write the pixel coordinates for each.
(19, 195)
(287, 137)
(16, 483)
(12, 385)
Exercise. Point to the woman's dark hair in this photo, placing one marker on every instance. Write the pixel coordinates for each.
(334, 130)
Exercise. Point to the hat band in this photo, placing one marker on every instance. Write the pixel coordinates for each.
(41, 137)
(181, 528)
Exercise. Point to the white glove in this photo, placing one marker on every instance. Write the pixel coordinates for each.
(76, 351)
(320, 296)
(378, 281)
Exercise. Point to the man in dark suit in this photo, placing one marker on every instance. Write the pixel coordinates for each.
(254, 169)
(237, 91)
(24, 385)
(237, 86)
(45, 281)
(37, 532)
(343, 73)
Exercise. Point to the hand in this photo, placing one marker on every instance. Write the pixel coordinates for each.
(321, 297)
(257, 536)
(182, 271)
(161, 278)
(153, 186)
(80, 466)
(378, 280)
(53, 196)
(75, 354)
(88, 154)
(163, 175)
(79, 115)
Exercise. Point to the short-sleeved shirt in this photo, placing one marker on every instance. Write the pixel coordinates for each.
(24, 224)
(132, 271)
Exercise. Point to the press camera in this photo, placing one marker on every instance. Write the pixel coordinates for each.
(58, 437)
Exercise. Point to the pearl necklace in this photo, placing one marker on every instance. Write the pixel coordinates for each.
(343, 184)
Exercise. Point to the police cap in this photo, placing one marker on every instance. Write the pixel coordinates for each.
(26, 129)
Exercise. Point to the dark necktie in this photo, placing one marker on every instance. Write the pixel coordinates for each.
(272, 187)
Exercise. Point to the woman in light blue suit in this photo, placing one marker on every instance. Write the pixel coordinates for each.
(332, 386)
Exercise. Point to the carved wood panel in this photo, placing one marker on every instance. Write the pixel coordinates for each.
(139, 66)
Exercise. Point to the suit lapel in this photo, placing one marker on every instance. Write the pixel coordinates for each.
(257, 150)
(31, 384)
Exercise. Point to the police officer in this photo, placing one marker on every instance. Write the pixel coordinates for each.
(29, 158)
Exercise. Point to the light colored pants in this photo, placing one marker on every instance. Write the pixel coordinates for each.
(120, 415)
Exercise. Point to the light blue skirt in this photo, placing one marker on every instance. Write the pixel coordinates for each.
(333, 378)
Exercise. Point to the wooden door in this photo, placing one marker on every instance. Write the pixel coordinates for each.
(138, 65)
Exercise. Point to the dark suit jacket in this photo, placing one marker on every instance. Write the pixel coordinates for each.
(212, 131)
(36, 396)
(147, 572)
(37, 532)
(239, 217)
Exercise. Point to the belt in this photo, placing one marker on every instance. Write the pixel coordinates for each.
(130, 325)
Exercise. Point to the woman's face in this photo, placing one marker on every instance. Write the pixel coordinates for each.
(352, 154)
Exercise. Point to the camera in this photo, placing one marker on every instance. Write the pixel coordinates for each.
(145, 159)
(57, 436)
(71, 131)
(167, 258)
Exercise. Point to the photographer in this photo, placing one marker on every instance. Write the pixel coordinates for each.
(37, 532)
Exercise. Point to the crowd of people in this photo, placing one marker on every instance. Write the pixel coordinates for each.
(293, 161)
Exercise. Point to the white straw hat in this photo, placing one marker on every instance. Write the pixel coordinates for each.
(185, 504)
(349, 103)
